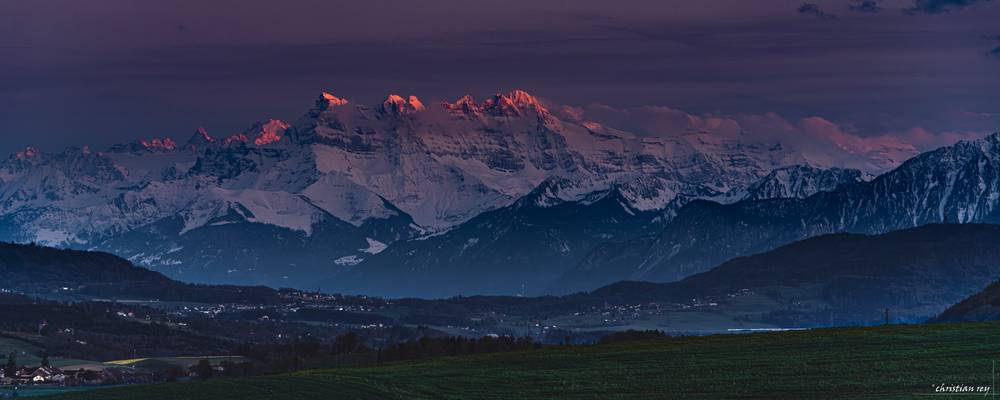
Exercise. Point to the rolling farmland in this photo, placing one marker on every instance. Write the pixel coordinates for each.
(901, 361)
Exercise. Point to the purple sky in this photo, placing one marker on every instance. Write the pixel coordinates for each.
(98, 72)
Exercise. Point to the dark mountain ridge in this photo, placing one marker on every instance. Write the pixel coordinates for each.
(915, 273)
(512, 250)
(955, 184)
(828, 280)
(982, 306)
(33, 269)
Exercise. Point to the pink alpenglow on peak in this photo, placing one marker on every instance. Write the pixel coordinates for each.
(327, 101)
(233, 139)
(513, 104)
(26, 153)
(500, 105)
(159, 144)
(269, 132)
(200, 138)
(416, 104)
(202, 134)
(394, 99)
(524, 100)
(466, 105)
(266, 138)
(398, 105)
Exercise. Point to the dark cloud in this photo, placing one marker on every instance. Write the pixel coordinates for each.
(104, 71)
(865, 6)
(814, 10)
(940, 6)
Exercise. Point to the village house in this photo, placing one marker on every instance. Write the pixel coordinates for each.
(47, 375)
(78, 377)
(38, 375)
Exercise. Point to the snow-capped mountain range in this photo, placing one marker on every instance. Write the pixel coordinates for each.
(345, 180)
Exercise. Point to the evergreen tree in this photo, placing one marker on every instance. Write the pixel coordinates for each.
(347, 343)
(11, 368)
(203, 369)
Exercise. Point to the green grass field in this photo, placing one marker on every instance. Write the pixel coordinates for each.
(863, 363)
(161, 363)
(21, 348)
(28, 353)
(39, 391)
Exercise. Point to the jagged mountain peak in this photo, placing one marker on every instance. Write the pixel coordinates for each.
(21, 161)
(154, 145)
(235, 139)
(415, 103)
(964, 150)
(645, 193)
(396, 104)
(266, 132)
(559, 189)
(524, 99)
(991, 141)
(162, 144)
(327, 101)
(200, 138)
(513, 104)
(799, 181)
(28, 152)
(635, 194)
(463, 106)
